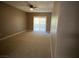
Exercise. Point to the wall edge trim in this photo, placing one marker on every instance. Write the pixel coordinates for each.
(11, 35)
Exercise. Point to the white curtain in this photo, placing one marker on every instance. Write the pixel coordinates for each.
(40, 23)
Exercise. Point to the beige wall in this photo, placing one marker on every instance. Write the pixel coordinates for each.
(12, 20)
(30, 20)
(67, 31)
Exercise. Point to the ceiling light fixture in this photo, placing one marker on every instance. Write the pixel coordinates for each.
(31, 7)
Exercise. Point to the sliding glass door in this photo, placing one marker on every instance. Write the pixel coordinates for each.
(39, 23)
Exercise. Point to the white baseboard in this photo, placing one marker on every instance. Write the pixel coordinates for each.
(51, 50)
(11, 35)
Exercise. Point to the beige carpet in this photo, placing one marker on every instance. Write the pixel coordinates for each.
(28, 44)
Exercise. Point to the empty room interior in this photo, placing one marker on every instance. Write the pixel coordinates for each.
(39, 29)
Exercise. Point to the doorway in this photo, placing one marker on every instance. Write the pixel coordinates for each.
(39, 23)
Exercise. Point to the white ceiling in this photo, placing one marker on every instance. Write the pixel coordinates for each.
(42, 6)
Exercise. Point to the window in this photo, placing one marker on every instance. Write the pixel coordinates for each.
(39, 23)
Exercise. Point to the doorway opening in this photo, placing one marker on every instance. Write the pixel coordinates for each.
(39, 23)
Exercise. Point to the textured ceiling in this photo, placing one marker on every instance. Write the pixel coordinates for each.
(42, 6)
